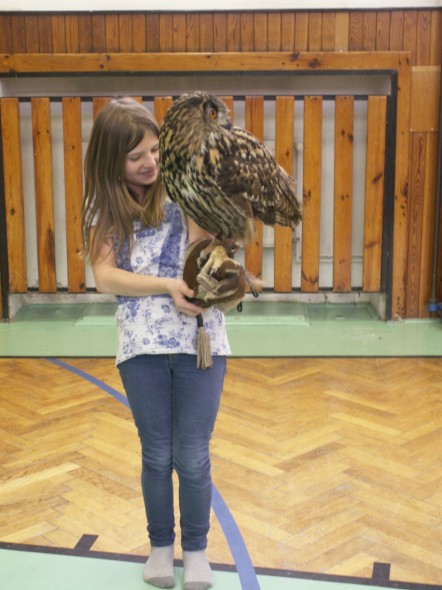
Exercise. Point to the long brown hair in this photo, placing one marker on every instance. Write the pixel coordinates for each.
(108, 204)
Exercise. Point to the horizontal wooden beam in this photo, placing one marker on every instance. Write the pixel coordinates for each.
(69, 63)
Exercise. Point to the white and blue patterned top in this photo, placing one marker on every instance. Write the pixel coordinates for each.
(152, 324)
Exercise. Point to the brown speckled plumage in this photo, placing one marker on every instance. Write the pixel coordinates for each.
(222, 176)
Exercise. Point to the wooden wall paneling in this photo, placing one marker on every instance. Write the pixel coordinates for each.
(44, 198)
(44, 33)
(6, 40)
(374, 193)
(383, 19)
(401, 189)
(17, 31)
(369, 31)
(301, 31)
(312, 177)
(139, 33)
(356, 31)
(98, 24)
(166, 32)
(436, 38)
(207, 32)
(410, 33)
(425, 98)
(220, 32)
(417, 175)
(343, 193)
(284, 153)
(261, 32)
(342, 31)
(314, 31)
(423, 38)
(328, 31)
(58, 33)
(255, 124)
(153, 32)
(85, 37)
(112, 33)
(73, 178)
(31, 33)
(125, 33)
(193, 32)
(428, 224)
(247, 31)
(14, 203)
(72, 34)
(161, 106)
(234, 31)
(396, 30)
(274, 31)
(179, 32)
(288, 32)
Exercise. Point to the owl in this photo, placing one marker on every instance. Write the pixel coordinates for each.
(222, 176)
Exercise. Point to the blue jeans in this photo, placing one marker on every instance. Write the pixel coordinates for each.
(174, 406)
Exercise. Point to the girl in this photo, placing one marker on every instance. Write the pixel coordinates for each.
(136, 240)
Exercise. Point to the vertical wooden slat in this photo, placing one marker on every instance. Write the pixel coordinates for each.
(428, 224)
(18, 34)
(192, 32)
(301, 31)
(274, 25)
(58, 33)
(343, 193)
(233, 31)
(220, 32)
(153, 32)
(112, 36)
(374, 192)
(98, 103)
(179, 32)
(125, 33)
(342, 31)
(167, 35)
(369, 31)
(73, 178)
(72, 34)
(31, 33)
(383, 30)
(85, 33)
(14, 205)
(98, 24)
(255, 124)
(206, 32)
(311, 193)
(356, 31)
(328, 31)
(314, 31)
(284, 146)
(396, 30)
(139, 33)
(161, 106)
(247, 31)
(44, 199)
(44, 33)
(423, 39)
(261, 32)
(6, 40)
(288, 32)
(410, 33)
(436, 38)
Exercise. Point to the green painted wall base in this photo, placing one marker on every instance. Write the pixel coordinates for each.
(262, 329)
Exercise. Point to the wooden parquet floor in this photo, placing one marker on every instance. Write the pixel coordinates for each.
(327, 465)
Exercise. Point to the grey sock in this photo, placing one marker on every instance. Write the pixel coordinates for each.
(158, 570)
(197, 572)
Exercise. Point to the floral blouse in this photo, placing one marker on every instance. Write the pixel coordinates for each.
(152, 324)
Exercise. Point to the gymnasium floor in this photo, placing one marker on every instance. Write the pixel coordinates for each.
(285, 330)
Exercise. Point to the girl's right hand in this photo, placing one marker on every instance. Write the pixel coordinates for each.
(179, 290)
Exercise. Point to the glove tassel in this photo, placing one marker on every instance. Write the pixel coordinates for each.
(204, 352)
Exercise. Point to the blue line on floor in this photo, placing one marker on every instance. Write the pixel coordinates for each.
(235, 541)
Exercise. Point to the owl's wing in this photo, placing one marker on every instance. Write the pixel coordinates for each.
(248, 173)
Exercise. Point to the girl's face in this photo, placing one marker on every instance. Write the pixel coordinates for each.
(141, 166)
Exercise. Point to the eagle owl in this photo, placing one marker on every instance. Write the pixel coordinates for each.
(222, 176)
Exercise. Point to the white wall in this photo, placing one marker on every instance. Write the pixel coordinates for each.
(201, 5)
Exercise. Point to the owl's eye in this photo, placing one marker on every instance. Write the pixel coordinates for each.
(213, 113)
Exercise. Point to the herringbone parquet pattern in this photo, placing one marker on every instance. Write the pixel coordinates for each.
(327, 465)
